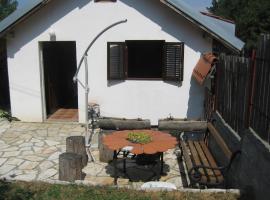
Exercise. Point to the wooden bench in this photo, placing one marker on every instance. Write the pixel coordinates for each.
(201, 165)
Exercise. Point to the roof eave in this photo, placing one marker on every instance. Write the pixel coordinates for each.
(24, 17)
(214, 35)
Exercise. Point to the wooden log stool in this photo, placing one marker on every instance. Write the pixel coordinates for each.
(76, 144)
(105, 154)
(70, 167)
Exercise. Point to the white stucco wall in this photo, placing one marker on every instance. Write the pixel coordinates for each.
(81, 21)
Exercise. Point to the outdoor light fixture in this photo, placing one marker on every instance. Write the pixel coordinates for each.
(89, 133)
(52, 35)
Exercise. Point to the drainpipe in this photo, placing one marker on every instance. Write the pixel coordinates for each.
(88, 135)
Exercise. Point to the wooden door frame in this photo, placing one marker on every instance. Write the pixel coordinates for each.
(42, 81)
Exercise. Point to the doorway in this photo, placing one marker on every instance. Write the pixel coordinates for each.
(4, 82)
(61, 95)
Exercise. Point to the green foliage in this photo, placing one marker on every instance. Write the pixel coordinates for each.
(7, 115)
(4, 114)
(7, 7)
(43, 191)
(139, 137)
(252, 17)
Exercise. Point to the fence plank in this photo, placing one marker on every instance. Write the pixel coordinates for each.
(260, 114)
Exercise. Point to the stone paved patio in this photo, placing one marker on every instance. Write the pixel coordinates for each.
(29, 151)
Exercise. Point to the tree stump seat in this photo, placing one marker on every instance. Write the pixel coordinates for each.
(76, 144)
(70, 167)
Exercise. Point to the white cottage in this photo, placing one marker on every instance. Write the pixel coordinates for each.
(141, 68)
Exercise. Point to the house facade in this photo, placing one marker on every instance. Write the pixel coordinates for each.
(138, 69)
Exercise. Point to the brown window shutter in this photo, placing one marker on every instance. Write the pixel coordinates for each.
(173, 69)
(116, 60)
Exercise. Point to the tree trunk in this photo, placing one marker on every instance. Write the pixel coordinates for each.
(70, 167)
(181, 125)
(123, 124)
(76, 144)
(105, 154)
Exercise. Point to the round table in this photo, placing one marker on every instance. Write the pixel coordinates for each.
(117, 142)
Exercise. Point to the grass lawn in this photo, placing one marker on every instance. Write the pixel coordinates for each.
(43, 191)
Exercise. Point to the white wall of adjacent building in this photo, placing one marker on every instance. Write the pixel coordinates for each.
(81, 21)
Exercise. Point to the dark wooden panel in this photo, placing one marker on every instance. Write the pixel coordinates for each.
(174, 61)
(219, 141)
(4, 81)
(116, 60)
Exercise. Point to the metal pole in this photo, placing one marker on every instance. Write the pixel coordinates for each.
(115, 166)
(91, 44)
(86, 96)
(88, 135)
(161, 164)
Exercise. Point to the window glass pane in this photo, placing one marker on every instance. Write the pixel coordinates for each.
(145, 59)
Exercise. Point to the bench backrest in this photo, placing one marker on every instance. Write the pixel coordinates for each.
(221, 143)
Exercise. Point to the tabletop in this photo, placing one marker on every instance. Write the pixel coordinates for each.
(160, 142)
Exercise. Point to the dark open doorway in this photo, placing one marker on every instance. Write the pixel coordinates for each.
(4, 82)
(61, 95)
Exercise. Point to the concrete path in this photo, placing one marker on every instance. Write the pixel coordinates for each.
(30, 151)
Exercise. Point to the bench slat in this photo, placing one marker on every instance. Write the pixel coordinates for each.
(219, 140)
(197, 160)
(212, 161)
(211, 176)
(186, 155)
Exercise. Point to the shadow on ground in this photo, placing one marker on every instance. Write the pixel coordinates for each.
(137, 172)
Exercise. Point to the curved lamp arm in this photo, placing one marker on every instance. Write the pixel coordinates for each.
(75, 78)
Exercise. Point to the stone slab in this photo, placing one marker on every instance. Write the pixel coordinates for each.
(2, 161)
(14, 161)
(10, 154)
(47, 174)
(28, 165)
(6, 168)
(46, 165)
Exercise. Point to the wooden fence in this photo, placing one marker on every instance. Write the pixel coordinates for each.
(243, 90)
(260, 104)
(232, 90)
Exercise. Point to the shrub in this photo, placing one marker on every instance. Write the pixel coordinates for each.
(139, 137)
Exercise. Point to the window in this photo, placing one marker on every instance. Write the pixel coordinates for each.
(145, 59)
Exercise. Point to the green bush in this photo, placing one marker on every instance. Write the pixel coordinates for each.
(4, 114)
(43, 191)
(7, 115)
(139, 137)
